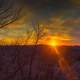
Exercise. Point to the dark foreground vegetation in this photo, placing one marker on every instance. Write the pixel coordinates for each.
(36, 62)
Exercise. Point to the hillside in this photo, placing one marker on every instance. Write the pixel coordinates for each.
(15, 62)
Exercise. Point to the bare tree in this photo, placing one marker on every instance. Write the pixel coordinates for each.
(10, 11)
(39, 31)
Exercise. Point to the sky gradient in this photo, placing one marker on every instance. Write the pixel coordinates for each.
(60, 17)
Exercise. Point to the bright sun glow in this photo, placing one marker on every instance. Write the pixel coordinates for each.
(53, 43)
(58, 41)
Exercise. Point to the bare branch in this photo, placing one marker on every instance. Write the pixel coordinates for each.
(10, 13)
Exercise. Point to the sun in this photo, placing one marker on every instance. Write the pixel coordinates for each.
(53, 43)
(58, 41)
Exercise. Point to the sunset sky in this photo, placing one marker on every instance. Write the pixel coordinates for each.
(61, 19)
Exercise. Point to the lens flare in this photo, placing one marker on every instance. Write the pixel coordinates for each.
(64, 66)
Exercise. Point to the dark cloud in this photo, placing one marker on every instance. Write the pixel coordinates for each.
(40, 4)
(41, 7)
(47, 7)
(44, 9)
(51, 6)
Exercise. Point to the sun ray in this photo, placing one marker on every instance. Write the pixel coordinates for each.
(63, 63)
(64, 66)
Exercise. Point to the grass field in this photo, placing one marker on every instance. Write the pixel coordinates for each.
(37, 62)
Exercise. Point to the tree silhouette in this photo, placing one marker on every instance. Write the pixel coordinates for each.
(10, 11)
(39, 33)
